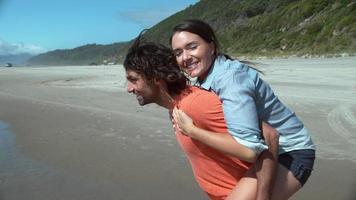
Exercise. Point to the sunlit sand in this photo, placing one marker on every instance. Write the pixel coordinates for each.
(74, 133)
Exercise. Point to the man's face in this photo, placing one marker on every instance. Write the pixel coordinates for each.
(146, 91)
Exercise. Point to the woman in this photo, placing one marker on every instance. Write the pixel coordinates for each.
(246, 100)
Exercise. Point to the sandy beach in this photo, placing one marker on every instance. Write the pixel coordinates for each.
(74, 133)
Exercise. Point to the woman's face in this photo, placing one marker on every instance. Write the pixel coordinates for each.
(194, 55)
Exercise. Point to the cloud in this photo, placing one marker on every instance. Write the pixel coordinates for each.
(7, 48)
(146, 18)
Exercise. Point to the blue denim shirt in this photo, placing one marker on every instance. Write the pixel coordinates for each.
(246, 100)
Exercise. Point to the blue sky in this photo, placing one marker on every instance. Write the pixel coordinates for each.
(36, 26)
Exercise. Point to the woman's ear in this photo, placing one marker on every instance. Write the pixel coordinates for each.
(212, 48)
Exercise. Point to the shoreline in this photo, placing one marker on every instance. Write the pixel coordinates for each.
(294, 56)
(76, 151)
(237, 56)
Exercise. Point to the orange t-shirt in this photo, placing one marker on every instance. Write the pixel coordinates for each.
(216, 173)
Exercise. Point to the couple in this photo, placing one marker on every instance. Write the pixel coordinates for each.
(221, 153)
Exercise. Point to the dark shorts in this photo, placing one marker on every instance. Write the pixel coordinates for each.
(299, 162)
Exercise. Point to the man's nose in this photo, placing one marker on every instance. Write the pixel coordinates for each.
(129, 87)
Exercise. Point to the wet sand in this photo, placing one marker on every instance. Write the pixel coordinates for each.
(74, 133)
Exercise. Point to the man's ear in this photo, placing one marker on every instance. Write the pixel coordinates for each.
(157, 81)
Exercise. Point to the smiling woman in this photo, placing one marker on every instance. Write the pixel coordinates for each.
(247, 101)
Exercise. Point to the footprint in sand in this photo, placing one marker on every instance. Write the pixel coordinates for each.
(341, 120)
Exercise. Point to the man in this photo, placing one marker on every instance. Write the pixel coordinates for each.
(154, 77)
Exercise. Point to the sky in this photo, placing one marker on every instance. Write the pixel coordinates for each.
(37, 26)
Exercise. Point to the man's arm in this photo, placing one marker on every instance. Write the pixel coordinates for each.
(267, 163)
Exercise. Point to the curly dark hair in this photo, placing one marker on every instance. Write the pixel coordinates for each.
(156, 61)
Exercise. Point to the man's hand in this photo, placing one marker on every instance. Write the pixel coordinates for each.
(267, 163)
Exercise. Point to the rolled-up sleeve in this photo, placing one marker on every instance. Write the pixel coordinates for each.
(236, 89)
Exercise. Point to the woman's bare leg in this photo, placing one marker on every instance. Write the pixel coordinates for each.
(285, 186)
(246, 188)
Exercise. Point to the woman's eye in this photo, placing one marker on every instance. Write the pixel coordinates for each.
(192, 46)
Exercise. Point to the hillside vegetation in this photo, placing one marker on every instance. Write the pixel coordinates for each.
(246, 27)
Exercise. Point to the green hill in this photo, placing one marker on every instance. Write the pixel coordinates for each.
(246, 27)
(83, 55)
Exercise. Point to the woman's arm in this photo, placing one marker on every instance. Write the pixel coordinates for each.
(243, 96)
(221, 141)
(237, 90)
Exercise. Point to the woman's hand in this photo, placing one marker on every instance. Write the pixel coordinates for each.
(223, 142)
(183, 122)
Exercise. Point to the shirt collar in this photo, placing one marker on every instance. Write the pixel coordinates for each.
(214, 70)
